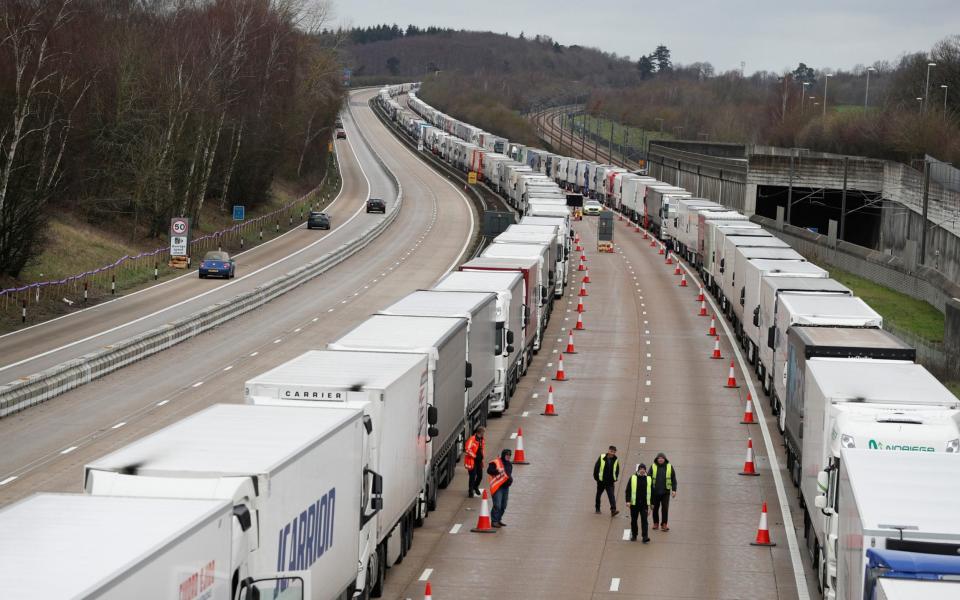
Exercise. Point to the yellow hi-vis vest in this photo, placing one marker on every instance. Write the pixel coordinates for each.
(633, 488)
(669, 478)
(603, 463)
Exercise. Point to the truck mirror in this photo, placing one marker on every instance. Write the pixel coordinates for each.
(376, 484)
(543, 294)
(467, 384)
(743, 296)
(242, 513)
(376, 504)
(469, 369)
(368, 424)
(823, 481)
(433, 431)
(756, 317)
(722, 260)
(432, 415)
(771, 332)
(510, 338)
(510, 349)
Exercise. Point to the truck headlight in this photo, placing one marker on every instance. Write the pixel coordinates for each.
(953, 446)
(847, 441)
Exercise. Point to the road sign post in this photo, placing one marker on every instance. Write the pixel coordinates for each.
(179, 242)
(239, 212)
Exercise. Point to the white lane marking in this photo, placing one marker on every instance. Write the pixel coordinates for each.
(119, 425)
(426, 574)
(329, 310)
(525, 413)
(549, 364)
(798, 572)
(278, 340)
(535, 395)
(343, 302)
(68, 450)
(542, 379)
(646, 332)
(554, 350)
(646, 400)
(645, 418)
(297, 330)
(254, 353)
(615, 584)
(228, 367)
(644, 312)
(162, 402)
(456, 528)
(646, 322)
(649, 382)
(649, 355)
(513, 435)
(648, 342)
(626, 534)
(8, 480)
(315, 319)
(197, 384)
(649, 368)
(643, 439)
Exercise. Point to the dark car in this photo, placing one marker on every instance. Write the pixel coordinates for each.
(217, 263)
(341, 134)
(318, 220)
(376, 205)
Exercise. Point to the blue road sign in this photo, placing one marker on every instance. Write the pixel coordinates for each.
(238, 212)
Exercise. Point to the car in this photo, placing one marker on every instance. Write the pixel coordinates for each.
(338, 123)
(318, 220)
(376, 205)
(217, 263)
(592, 207)
(341, 134)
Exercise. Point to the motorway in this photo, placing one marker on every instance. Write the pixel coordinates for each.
(45, 447)
(642, 380)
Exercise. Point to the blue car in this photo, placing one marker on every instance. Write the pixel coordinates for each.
(217, 263)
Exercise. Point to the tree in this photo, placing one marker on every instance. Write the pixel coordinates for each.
(804, 74)
(661, 57)
(393, 65)
(646, 67)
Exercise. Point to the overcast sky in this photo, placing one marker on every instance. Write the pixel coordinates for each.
(766, 35)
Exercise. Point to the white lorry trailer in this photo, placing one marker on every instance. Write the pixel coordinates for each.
(511, 321)
(536, 234)
(659, 205)
(543, 283)
(76, 546)
(390, 389)
(710, 244)
(871, 405)
(886, 500)
(517, 234)
(444, 341)
(735, 257)
(295, 478)
(685, 228)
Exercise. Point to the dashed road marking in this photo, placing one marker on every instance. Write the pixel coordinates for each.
(513, 435)
(615, 584)
(298, 330)
(68, 450)
(649, 368)
(456, 528)
(550, 364)
(426, 574)
(278, 340)
(315, 319)
(525, 413)
(329, 310)
(542, 379)
(535, 395)
(643, 439)
(626, 534)
(8, 480)
(645, 418)
(646, 400)
(649, 382)
(197, 384)
(228, 367)
(162, 402)
(119, 425)
(252, 354)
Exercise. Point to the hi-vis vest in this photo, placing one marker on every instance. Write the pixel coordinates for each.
(668, 479)
(470, 451)
(633, 488)
(500, 478)
(603, 463)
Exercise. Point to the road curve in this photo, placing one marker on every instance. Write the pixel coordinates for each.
(45, 448)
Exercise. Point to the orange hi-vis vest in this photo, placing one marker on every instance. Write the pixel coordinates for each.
(500, 478)
(470, 451)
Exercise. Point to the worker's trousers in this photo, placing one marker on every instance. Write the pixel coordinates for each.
(608, 487)
(638, 512)
(661, 502)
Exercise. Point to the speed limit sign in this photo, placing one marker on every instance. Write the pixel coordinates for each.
(179, 236)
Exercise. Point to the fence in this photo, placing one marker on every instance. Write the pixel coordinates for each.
(105, 280)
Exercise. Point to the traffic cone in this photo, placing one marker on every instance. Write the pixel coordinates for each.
(586, 277)
(700, 295)
(580, 307)
(579, 247)
(716, 348)
(483, 519)
(748, 418)
(428, 592)
(619, 217)
(636, 229)
(703, 308)
(561, 375)
(519, 457)
(580, 326)
(660, 250)
(583, 257)
(644, 233)
(676, 270)
(581, 266)
(570, 349)
(583, 290)
(683, 280)
(669, 260)
(748, 467)
(653, 243)
(713, 326)
(763, 533)
(731, 378)
(549, 410)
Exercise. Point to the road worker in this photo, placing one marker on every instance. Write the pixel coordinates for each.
(474, 451)
(500, 478)
(606, 471)
(638, 497)
(664, 487)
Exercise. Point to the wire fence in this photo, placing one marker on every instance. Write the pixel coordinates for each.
(90, 286)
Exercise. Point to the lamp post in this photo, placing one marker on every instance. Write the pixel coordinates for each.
(866, 94)
(826, 80)
(920, 103)
(945, 89)
(926, 87)
(803, 92)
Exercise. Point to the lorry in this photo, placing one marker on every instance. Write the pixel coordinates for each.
(540, 214)
(710, 244)
(511, 321)
(444, 341)
(658, 203)
(544, 280)
(804, 310)
(77, 546)
(684, 227)
(903, 575)
(390, 390)
(553, 235)
(289, 475)
(883, 500)
(737, 251)
(632, 192)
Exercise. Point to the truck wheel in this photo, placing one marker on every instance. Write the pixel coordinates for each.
(376, 590)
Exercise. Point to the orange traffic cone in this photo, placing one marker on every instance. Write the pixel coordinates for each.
(583, 290)
(713, 325)
(731, 378)
(519, 457)
(483, 519)
(660, 250)
(561, 376)
(676, 270)
(581, 266)
(700, 295)
(716, 348)
(549, 410)
(748, 418)
(683, 279)
(703, 308)
(636, 229)
(586, 277)
(428, 592)
(579, 247)
(570, 349)
(748, 467)
(644, 233)
(580, 326)
(763, 532)
(580, 307)
(669, 260)
(653, 243)
(583, 257)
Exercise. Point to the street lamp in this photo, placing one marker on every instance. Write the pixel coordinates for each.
(803, 92)
(920, 102)
(825, 82)
(945, 87)
(866, 95)
(926, 88)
